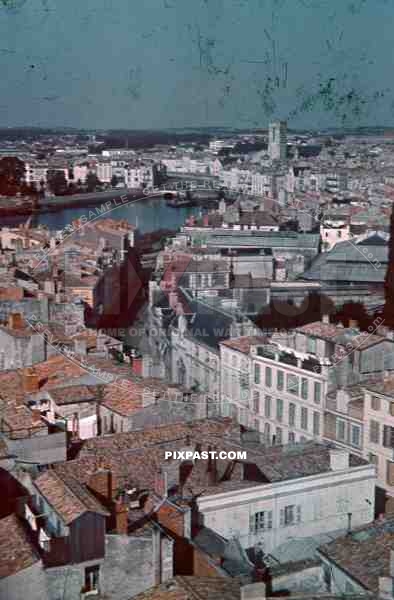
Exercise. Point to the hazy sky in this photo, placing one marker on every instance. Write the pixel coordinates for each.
(179, 63)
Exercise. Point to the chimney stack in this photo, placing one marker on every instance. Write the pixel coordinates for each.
(161, 484)
(31, 382)
(339, 460)
(121, 514)
(102, 483)
(80, 346)
(253, 591)
(15, 321)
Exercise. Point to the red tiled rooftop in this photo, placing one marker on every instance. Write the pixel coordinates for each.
(243, 344)
(16, 551)
(67, 496)
(194, 588)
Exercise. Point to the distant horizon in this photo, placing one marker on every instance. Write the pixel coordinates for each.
(229, 128)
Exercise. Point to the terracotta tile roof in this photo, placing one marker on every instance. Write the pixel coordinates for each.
(68, 497)
(341, 335)
(194, 588)
(23, 420)
(326, 331)
(243, 344)
(133, 393)
(73, 393)
(157, 435)
(125, 400)
(135, 458)
(365, 553)
(385, 387)
(281, 463)
(16, 551)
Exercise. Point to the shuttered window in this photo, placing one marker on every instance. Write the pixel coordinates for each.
(317, 392)
(279, 409)
(316, 423)
(374, 432)
(268, 376)
(267, 407)
(290, 515)
(256, 402)
(292, 413)
(304, 418)
(292, 384)
(390, 472)
(280, 380)
(388, 436)
(261, 521)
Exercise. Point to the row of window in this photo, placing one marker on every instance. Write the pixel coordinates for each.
(298, 386)
(235, 361)
(275, 437)
(376, 404)
(373, 458)
(348, 433)
(381, 435)
(292, 412)
(262, 520)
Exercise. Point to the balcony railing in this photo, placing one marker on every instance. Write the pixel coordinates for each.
(311, 365)
(288, 359)
(265, 352)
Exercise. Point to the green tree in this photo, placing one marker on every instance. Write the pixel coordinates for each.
(12, 173)
(92, 182)
(57, 182)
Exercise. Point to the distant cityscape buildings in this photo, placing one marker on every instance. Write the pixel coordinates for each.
(257, 328)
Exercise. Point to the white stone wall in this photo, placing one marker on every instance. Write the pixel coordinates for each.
(324, 500)
(383, 455)
(311, 408)
(235, 387)
(29, 584)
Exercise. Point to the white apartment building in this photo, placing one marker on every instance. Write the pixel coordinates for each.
(80, 172)
(296, 382)
(217, 145)
(35, 173)
(333, 232)
(378, 419)
(336, 182)
(140, 175)
(187, 164)
(194, 359)
(236, 179)
(288, 389)
(262, 184)
(118, 153)
(104, 171)
(305, 490)
(236, 381)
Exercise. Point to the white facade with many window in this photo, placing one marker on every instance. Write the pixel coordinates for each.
(274, 512)
(290, 396)
(379, 436)
(235, 386)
